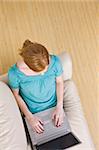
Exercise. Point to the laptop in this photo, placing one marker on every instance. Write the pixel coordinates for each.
(52, 137)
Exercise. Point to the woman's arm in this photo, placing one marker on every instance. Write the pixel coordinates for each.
(35, 122)
(58, 114)
(22, 104)
(59, 91)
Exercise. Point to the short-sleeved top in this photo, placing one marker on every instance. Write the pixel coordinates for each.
(37, 91)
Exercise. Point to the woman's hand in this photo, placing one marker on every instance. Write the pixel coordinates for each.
(58, 116)
(37, 124)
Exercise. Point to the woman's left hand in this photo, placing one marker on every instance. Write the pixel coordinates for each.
(58, 116)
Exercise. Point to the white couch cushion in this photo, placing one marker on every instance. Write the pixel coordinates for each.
(76, 118)
(12, 134)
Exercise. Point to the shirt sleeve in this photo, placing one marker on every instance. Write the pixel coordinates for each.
(59, 67)
(13, 80)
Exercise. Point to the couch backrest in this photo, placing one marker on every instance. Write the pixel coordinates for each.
(66, 63)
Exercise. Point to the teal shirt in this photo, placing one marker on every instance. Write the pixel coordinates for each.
(38, 91)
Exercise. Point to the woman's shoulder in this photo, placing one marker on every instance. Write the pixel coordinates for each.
(55, 56)
(13, 69)
(56, 59)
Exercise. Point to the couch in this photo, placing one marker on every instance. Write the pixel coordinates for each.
(13, 134)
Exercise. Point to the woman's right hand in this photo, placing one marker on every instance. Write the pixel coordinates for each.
(36, 124)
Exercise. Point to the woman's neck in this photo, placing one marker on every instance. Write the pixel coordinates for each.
(25, 69)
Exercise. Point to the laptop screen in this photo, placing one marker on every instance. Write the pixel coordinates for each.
(60, 143)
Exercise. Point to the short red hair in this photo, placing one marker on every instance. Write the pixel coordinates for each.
(34, 55)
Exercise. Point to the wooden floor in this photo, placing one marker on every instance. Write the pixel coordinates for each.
(60, 25)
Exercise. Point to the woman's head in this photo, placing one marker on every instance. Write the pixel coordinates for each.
(34, 55)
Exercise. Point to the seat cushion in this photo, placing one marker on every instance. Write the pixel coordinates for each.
(12, 134)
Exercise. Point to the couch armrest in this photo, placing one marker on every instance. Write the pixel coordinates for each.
(76, 118)
(12, 134)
